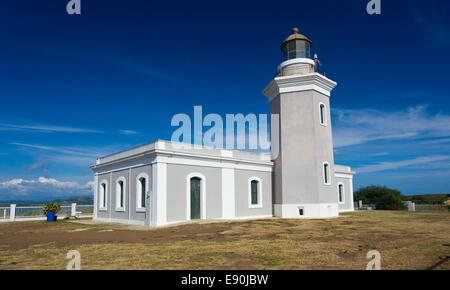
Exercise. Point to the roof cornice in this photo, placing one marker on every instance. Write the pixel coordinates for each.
(298, 83)
(170, 153)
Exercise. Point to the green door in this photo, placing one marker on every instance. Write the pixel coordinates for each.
(195, 198)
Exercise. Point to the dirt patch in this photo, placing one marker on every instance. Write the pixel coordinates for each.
(24, 234)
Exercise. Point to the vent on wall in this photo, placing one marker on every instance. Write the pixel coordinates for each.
(300, 211)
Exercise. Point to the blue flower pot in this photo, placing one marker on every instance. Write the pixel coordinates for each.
(51, 216)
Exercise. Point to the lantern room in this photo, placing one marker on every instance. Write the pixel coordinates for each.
(296, 46)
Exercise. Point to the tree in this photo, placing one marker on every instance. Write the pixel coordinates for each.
(387, 198)
(389, 201)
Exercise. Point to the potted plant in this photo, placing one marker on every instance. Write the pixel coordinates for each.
(51, 210)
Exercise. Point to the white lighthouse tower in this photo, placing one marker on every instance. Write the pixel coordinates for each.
(304, 183)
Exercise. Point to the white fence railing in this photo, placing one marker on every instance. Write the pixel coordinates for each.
(4, 213)
(23, 213)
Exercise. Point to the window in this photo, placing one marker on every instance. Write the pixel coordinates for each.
(141, 191)
(323, 114)
(120, 193)
(296, 49)
(254, 189)
(326, 173)
(103, 194)
(142, 181)
(341, 193)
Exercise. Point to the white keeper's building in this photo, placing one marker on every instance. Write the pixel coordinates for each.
(161, 183)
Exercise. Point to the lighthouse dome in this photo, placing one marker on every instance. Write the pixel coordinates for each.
(296, 45)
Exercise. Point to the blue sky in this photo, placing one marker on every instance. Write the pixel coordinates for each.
(75, 87)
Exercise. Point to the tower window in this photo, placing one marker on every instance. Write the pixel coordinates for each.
(341, 193)
(254, 189)
(323, 114)
(254, 192)
(326, 173)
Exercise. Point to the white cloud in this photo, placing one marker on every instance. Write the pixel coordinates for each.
(42, 188)
(128, 132)
(426, 174)
(63, 150)
(390, 165)
(45, 128)
(34, 166)
(81, 155)
(354, 127)
(146, 70)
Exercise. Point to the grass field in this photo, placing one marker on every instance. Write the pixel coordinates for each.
(406, 240)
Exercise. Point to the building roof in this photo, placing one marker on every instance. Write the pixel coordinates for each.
(295, 36)
(343, 169)
(184, 150)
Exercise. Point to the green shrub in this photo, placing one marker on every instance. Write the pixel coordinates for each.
(51, 206)
(427, 198)
(390, 201)
(387, 198)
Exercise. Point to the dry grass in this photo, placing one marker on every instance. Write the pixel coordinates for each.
(405, 240)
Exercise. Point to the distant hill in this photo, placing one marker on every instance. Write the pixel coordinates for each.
(78, 200)
(66, 201)
(427, 198)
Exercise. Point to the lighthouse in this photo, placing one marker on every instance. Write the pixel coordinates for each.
(304, 182)
(163, 182)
